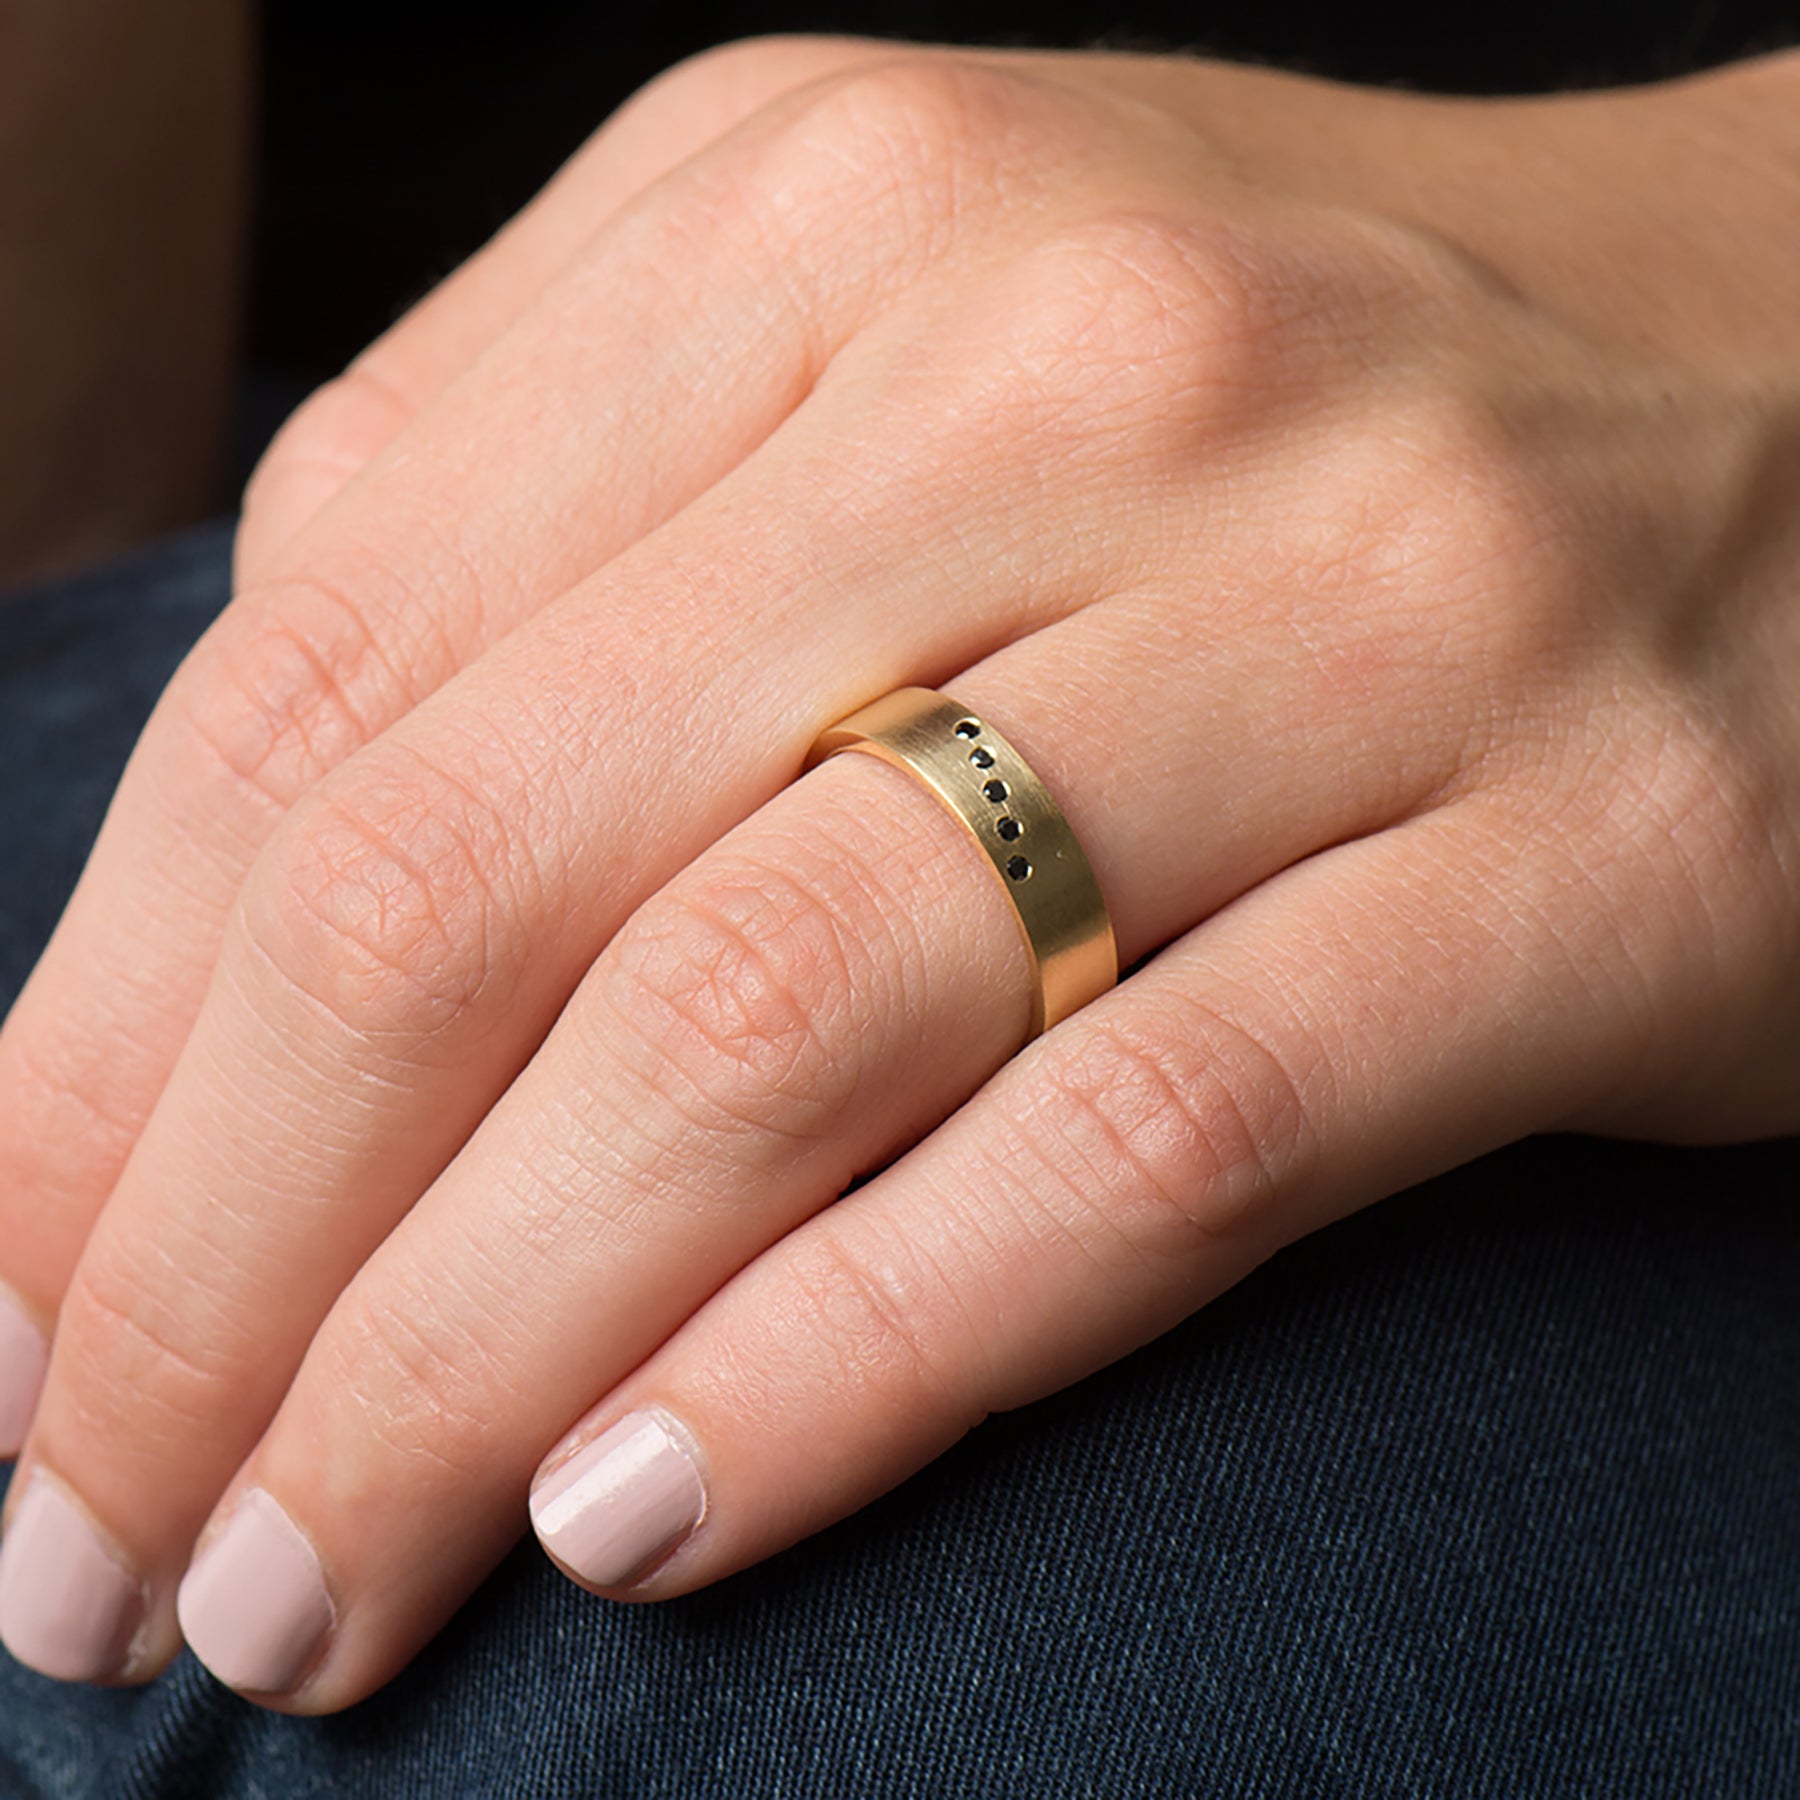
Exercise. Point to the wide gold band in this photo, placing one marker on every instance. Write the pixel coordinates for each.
(989, 786)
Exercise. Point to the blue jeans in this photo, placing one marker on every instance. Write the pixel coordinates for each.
(1491, 1490)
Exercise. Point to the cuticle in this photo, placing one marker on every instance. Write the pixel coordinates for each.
(334, 1611)
(678, 1429)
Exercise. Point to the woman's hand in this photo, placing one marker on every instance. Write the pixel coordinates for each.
(1375, 518)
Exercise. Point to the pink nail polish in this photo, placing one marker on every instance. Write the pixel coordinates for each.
(254, 1606)
(618, 1507)
(24, 1355)
(68, 1608)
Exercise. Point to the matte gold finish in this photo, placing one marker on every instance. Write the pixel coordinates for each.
(985, 782)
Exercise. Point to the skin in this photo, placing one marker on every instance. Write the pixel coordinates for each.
(123, 135)
(1373, 516)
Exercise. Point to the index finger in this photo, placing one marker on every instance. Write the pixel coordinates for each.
(597, 418)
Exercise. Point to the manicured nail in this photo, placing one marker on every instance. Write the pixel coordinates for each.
(254, 1607)
(622, 1504)
(68, 1608)
(24, 1355)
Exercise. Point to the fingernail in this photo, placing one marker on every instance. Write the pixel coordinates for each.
(24, 1355)
(622, 1504)
(68, 1608)
(253, 1607)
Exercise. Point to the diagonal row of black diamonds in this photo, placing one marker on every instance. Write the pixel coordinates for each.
(995, 791)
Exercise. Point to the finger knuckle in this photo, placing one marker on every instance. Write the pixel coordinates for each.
(906, 116)
(386, 899)
(904, 148)
(1180, 294)
(1484, 509)
(747, 980)
(1181, 1130)
(417, 1374)
(1445, 496)
(122, 1331)
(1141, 327)
(66, 1124)
(332, 434)
(722, 77)
(287, 685)
(877, 1309)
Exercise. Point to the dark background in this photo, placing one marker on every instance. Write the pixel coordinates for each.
(397, 134)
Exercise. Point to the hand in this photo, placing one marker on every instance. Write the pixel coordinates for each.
(1373, 516)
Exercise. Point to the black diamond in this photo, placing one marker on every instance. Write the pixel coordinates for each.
(1009, 828)
(982, 757)
(1018, 868)
(995, 790)
(969, 728)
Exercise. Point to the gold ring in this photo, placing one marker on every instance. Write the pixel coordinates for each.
(989, 786)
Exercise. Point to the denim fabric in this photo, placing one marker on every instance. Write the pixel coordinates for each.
(1491, 1490)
